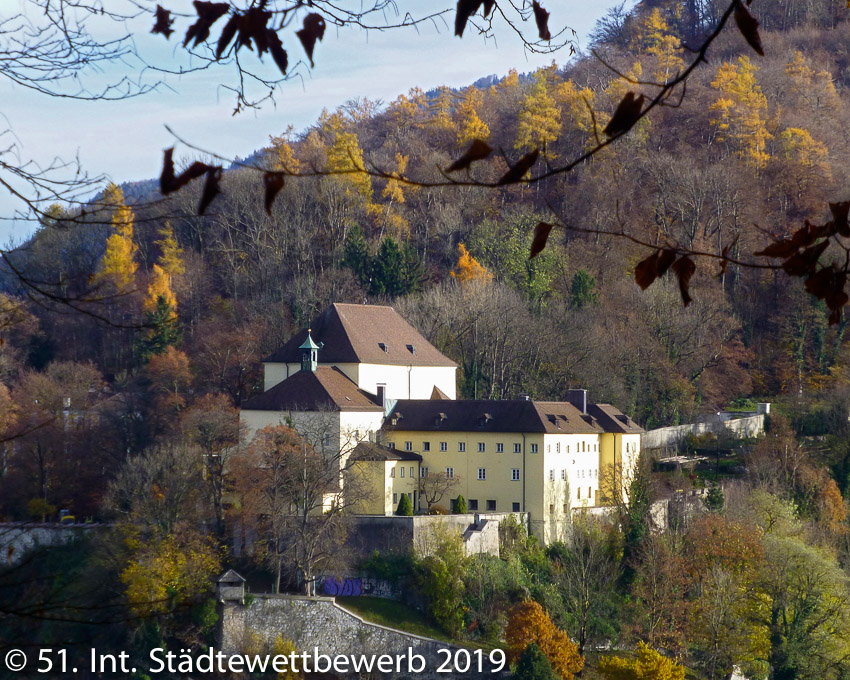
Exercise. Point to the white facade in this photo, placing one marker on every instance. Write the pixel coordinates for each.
(401, 382)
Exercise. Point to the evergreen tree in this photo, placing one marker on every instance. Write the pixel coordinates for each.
(460, 505)
(583, 292)
(163, 330)
(397, 270)
(356, 255)
(533, 665)
(405, 506)
(715, 499)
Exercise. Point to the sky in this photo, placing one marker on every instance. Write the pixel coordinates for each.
(124, 139)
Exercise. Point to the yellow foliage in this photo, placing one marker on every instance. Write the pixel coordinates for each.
(406, 107)
(510, 80)
(169, 571)
(577, 104)
(283, 647)
(170, 258)
(468, 268)
(816, 89)
(656, 39)
(649, 665)
(799, 146)
(283, 157)
(469, 125)
(737, 114)
(344, 155)
(118, 263)
(160, 286)
(441, 110)
(529, 623)
(539, 117)
(392, 191)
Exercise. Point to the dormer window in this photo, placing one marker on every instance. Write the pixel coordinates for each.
(440, 418)
(411, 349)
(384, 346)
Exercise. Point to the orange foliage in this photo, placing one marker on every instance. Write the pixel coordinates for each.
(468, 268)
(529, 623)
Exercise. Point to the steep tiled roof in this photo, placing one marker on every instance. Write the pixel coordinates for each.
(373, 451)
(519, 415)
(613, 420)
(370, 334)
(325, 389)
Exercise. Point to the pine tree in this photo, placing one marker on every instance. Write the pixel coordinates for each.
(583, 292)
(118, 264)
(715, 500)
(396, 270)
(533, 665)
(163, 330)
(460, 505)
(356, 255)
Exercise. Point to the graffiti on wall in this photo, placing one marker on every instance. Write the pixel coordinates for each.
(344, 587)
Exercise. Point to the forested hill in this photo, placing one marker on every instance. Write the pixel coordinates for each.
(756, 146)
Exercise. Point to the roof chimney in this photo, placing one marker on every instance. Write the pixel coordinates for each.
(578, 398)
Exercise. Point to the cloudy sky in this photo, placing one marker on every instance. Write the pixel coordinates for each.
(125, 139)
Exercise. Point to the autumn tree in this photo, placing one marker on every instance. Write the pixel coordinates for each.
(469, 124)
(648, 665)
(170, 571)
(528, 623)
(539, 118)
(738, 115)
(213, 424)
(434, 486)
(468, 268)
(291, 489)
(118, 264)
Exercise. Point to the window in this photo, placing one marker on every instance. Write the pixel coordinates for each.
(595, 473)
(411, 472)
(517, 448)
(548, 448)
(482, 474)
(481, 447)
(450, 473)
(500, 447)
(401, 471)
(589, 495)
(426, 446)
(581, 473)
(534, 448)
(551, 508)
(392, 472)
(557, 447)
(444, 446)
(563, 475)
(461, 447)
(566, 508)
(515, 507)
(568, 448)
(327, 440)
(551, 475)
(390, 445)
(515, 475)
(423, 472)
(473, 504)
(491, 506)
(395, 499)
(408, 446)
(578, 493)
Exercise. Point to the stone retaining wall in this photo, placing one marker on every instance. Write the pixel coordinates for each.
(319, 623)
